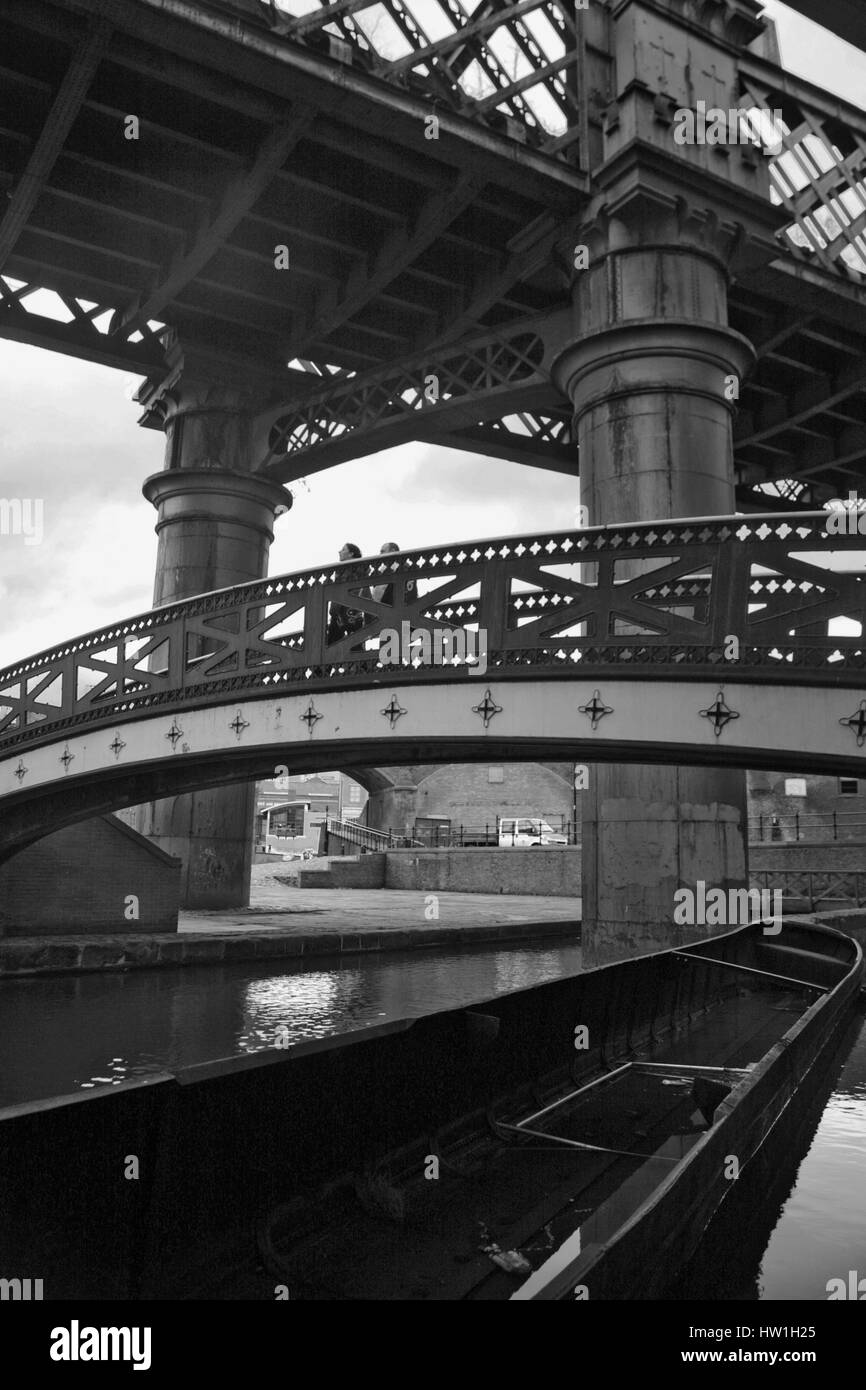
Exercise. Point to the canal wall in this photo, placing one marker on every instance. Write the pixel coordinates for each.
(545, 872)
(40, 955)
(51, 888)
(541, 872)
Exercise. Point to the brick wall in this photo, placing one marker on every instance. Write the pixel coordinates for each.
(820, 857)
(553, 872)
(465, 794)
(79, 880)
(768, 797)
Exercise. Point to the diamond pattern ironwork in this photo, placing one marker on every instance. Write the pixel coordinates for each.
(765, 580)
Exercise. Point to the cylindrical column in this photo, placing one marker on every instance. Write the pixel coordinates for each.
(215, 527)
(652, 373)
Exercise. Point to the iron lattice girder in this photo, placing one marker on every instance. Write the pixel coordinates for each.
(232, 299)
(119, 262)
(357, 415)
(819, 172)
(552, 604)
(85, 334)
(543, 439)
(495, 37)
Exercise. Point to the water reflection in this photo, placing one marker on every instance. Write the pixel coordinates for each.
(64, 1033)
(821, 1233)
(797, 1218)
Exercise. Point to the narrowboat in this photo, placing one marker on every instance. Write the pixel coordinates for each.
(572, 1140)
(610, 1117)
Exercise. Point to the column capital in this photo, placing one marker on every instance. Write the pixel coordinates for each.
(645, 201)
(199, 377)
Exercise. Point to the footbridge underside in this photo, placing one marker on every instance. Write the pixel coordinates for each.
(726, 641)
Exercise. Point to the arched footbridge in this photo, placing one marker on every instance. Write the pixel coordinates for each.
(731, 641)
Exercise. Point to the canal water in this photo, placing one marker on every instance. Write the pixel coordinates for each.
(788, 1234)
(66, 1033)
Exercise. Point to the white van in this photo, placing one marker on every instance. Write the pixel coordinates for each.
(528, 830)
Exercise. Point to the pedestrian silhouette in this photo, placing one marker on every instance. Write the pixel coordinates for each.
(343, 621)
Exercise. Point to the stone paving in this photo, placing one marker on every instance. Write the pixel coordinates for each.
(277, 906)
(285, 921)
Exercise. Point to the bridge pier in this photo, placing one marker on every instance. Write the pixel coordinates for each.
(651, 371)
(215, 525)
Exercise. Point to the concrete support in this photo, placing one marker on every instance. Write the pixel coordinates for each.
(215, 525)
(653, 373)
(393, 807)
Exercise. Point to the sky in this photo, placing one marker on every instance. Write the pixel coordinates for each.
(68, 436)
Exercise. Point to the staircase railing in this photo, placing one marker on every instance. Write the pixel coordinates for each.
(366, 838)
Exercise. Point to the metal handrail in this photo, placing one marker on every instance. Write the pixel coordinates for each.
(233, 643)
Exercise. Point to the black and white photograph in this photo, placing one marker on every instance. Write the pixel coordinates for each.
(433, 668)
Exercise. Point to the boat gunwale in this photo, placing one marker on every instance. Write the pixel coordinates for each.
(584, 1263)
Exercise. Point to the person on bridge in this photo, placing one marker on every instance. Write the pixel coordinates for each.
(343, 621)
(384, 593)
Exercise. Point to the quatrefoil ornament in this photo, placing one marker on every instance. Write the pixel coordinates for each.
(719, 713)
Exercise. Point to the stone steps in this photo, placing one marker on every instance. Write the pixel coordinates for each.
(344, 871)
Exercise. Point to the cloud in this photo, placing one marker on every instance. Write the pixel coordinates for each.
(69, 436)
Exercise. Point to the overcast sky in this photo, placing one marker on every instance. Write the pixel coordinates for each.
(68, 435)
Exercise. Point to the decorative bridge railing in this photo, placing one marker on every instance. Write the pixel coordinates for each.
(846, 886)
(728, 599)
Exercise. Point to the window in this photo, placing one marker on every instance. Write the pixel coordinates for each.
(795, 786)
(354, 792)
(496, 774)
(848, 786)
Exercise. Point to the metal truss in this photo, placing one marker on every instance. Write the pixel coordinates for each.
(510, 63)
(543, 439)
(32, 313)
(550, 604)
(818, 174)
(355, 415)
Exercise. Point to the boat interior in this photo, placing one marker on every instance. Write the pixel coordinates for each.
(489, 1205)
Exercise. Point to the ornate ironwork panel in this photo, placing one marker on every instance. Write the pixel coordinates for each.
(382, 403)
(732, 599)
